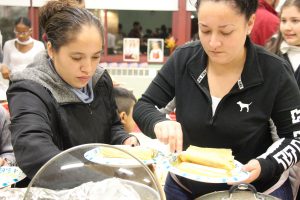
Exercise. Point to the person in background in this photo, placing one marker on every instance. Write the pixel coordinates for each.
(287, 45)
(287, 42)
(226, 92)
(266, 22)
(126, 100)
(1, 52)
(7, 157)
(20, 52)
(111, 43)
(63, 99)
(163, 32)
(119, 39)
(135, 32)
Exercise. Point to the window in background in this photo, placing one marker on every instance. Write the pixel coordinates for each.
(136, 24)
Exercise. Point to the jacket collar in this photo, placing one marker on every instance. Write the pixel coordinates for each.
(251, 74)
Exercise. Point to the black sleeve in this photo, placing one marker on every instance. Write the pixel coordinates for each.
(31, 132)
(285, 152)
(159, 93)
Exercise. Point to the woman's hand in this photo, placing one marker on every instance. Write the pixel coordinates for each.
(132, 141)
(169, 132)
(253, 167)
(5, 71)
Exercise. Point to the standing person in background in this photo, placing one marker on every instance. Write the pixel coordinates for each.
(1, 52)
(119, 39)
(226, 92)
(19, 52)
(63, 99)
(135, 32)
(111, 43)
(6, 150)
(266, 22)
(287, 45)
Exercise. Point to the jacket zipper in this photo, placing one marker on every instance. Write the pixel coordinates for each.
(90, 109)
(206, 92)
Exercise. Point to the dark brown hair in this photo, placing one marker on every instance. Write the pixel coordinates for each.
(245, 7)
(125, 99)
(23, 20)
(62, 21)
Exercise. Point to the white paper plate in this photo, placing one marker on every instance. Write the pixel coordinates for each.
(10, 175)
(95, 156)
(237, 174)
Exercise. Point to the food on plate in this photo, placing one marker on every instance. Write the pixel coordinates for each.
(211, 159)
(140, 152)
(202, 170)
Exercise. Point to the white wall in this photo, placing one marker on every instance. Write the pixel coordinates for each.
(123, 4)
(167, 5)
(15, 3)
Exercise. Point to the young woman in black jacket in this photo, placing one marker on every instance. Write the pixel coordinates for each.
(227, 90)
(63, 98)
(287, 45)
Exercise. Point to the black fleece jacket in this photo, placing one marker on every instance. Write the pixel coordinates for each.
(47, 118)
(267, 90)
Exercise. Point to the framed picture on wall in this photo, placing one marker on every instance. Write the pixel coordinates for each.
(155, 50)
(131, 49)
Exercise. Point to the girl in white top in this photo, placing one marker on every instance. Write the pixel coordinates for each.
(287, 45)
(287, 42)
(19, 52)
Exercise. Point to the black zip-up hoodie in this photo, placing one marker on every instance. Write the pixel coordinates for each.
(47, 117)
(267, 90)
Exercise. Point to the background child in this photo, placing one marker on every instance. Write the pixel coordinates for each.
(125, 101)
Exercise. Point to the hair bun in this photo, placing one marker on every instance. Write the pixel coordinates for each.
(52, 7)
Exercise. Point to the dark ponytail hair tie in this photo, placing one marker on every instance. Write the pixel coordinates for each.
(45, 38)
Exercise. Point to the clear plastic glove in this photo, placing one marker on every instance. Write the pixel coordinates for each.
(254, 168)
(169, 132)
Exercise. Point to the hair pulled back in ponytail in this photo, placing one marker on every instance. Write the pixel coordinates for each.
(62, 20)
(245, 7)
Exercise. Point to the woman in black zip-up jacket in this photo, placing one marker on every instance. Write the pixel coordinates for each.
(226, 91)
(287, 45)
(63, 99)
